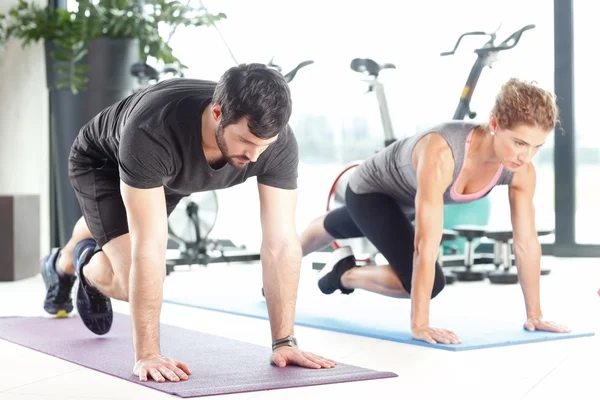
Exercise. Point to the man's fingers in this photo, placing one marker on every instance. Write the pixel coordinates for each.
(143, 374)
(184, 367)
(279, 360)
(326, 360)
(156, 375)
(303, 361)
(180, 373)
(324, 363)
(168, 373)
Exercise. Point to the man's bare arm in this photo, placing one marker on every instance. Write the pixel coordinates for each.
(281, 256)
(147, 218)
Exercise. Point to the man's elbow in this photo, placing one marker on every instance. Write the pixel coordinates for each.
(281, 245)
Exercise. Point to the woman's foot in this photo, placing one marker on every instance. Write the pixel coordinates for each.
(330, 277)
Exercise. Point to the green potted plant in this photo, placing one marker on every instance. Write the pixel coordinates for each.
(90, 51)
(70, 35)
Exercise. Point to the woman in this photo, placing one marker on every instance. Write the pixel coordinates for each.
(411, 180)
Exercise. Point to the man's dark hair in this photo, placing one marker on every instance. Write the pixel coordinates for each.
(257, 92)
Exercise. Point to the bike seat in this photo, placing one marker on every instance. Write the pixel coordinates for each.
(140, 69)
(500, 235)
(470, 232)
(369, 66)
(448, 234)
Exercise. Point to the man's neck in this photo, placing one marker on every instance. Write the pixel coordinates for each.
(209, 140)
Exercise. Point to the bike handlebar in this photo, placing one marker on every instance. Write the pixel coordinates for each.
(490, 47)
(515, 37)
(291, 74)
(460, 38)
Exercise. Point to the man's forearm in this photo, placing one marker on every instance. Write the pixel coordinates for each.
(281, 274)
(145, 300)
(528, 257)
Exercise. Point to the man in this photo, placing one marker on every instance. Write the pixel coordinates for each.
(132, 164)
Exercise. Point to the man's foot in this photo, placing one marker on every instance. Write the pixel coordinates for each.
(58, 287)
(94, 308)
(330, 277)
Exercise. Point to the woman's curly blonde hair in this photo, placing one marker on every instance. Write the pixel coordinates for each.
(524, 103)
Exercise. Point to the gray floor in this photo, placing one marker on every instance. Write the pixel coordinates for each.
(561, 369)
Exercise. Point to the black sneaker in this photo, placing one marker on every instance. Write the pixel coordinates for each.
(331, 275)
(94, 308)
(58, 288)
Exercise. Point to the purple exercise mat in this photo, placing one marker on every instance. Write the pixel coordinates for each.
(219, 365)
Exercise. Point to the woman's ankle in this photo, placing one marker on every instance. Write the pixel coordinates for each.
(346, 280)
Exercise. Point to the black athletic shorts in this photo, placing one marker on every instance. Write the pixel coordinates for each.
(377, 217)
(97, 186)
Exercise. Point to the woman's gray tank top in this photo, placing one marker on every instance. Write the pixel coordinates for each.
(391, 172)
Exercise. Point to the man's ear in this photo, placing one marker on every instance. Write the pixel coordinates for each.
(216, 112)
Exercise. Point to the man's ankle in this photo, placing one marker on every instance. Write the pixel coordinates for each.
(63, 265)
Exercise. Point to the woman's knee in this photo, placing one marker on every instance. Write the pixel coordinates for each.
(439, 283)
(315, 236)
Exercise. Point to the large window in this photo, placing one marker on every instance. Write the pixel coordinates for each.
(587, 138)
(335, 120)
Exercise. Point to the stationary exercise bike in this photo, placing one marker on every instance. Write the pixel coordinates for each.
(486, 56)
(193, 219)
(147, 75)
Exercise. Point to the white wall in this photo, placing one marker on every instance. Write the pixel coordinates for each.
(24, 153)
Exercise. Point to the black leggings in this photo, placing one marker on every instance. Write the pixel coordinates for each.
(377, 217)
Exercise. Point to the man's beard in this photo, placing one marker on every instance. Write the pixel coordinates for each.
(230, 159)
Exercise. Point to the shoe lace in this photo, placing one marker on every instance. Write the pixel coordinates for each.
(62, 291)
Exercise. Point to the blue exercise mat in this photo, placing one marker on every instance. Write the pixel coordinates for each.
(475, 332)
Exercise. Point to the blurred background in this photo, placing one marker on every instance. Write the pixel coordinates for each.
(335, 119)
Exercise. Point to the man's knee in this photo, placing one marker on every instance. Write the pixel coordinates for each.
(106, 275)
(118, 254)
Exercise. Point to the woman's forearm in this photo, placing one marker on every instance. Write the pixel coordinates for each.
(528, 259)
(422, 285)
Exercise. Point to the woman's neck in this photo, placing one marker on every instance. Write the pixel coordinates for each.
(482, 144)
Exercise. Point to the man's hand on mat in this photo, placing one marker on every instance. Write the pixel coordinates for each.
(435, 335)
(161, 368)
(539, 324)
(287, 355)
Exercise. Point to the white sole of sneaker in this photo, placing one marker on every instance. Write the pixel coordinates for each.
(337, 256)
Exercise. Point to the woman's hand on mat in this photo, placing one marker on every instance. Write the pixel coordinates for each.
(538, 323)
(160, 369)
(435, 335)
(287, 355)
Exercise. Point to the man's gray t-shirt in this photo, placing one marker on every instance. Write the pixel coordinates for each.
(155, 139)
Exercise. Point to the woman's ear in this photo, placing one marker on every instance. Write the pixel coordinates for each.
(493, 123)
